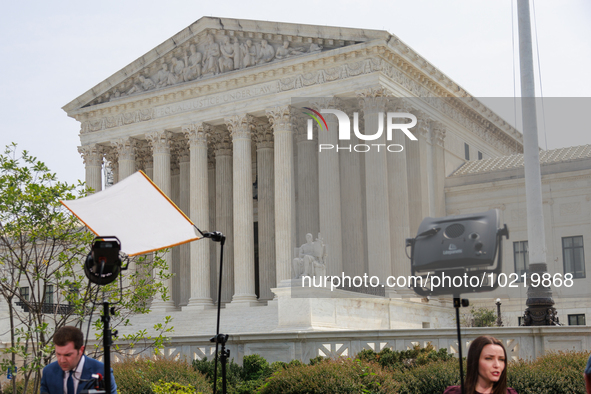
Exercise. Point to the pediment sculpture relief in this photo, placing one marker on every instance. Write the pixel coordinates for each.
(205, 57)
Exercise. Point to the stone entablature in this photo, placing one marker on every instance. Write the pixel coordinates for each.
(376, 51)
(454, 108)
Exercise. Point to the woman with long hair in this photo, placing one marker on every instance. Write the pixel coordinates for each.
(487, 369)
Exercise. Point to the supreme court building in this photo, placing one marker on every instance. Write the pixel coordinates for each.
(212, 117)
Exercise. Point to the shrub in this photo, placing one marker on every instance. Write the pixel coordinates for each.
(555, 373)
(138, 376)
(331, 376)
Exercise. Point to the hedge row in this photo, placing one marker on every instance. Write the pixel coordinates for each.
(418, 371)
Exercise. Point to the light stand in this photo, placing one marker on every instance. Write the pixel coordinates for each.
(216, 236)
(458, 303)
(102, 266)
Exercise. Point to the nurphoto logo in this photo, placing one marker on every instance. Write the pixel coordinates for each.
(345, 130)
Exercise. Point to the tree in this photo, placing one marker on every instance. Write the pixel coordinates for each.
(481, 317)
(42, 250)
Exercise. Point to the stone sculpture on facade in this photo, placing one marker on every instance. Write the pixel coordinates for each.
(285, 51)
(142, 85)
(193, 64)
(226, 60)
(249, 54)
(266, 54)
(212, 54)
(228, 54)
(311, 260)
(162, 76)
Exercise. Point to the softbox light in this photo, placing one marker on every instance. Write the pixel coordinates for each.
(138, 213)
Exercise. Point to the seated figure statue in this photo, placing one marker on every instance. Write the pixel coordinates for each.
(311, 260)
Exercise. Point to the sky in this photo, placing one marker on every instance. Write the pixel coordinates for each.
(52, 52)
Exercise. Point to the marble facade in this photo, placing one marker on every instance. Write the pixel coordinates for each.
(209, 115)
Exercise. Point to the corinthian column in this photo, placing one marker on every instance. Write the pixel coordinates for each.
(280, 119)
(160, 144)
(240, 127)
(329, 191)
(184, 205)
(373, 102)
(307, 181)
(224, 208)
(266, 211)
(112, 163)
(126, 151)
(418, 173)
(92, 155)
(352, 207)
(199, 275)
(438, 139)
(398, 196)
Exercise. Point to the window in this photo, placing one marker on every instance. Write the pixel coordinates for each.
(73, 294)
(573, 256)
(48, 299)
(576, 320)
(521, 258)
(479, 155)
(466, 151)
(24, 293)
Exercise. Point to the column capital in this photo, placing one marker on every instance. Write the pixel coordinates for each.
(263, 135)
(280, 118)
(326, 103)
(144, 156)
(400, 105)
(197, 134)
(299, 124)
(159, 141)
(240, 126)
(439, 133)
(180, 149)
(92, 155)
(423, 121)
(222, 142)
(374, 100)
(125, 148)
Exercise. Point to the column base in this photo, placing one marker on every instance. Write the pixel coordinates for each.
(198, 304)
(244, 300)
(159, 306)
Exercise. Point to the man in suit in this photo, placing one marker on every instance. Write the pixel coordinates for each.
(72, 372)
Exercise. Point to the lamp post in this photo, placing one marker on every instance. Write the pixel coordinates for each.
(499, 321)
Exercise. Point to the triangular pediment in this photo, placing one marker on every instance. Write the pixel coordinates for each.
(214, 46)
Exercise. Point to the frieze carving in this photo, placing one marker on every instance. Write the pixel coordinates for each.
(210, 54)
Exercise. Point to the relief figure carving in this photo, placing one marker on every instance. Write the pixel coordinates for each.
(212, 53)
(226, 61)
(285, 51)
(249, 54)
(266, 53)
(192, 68)
(142, 85)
